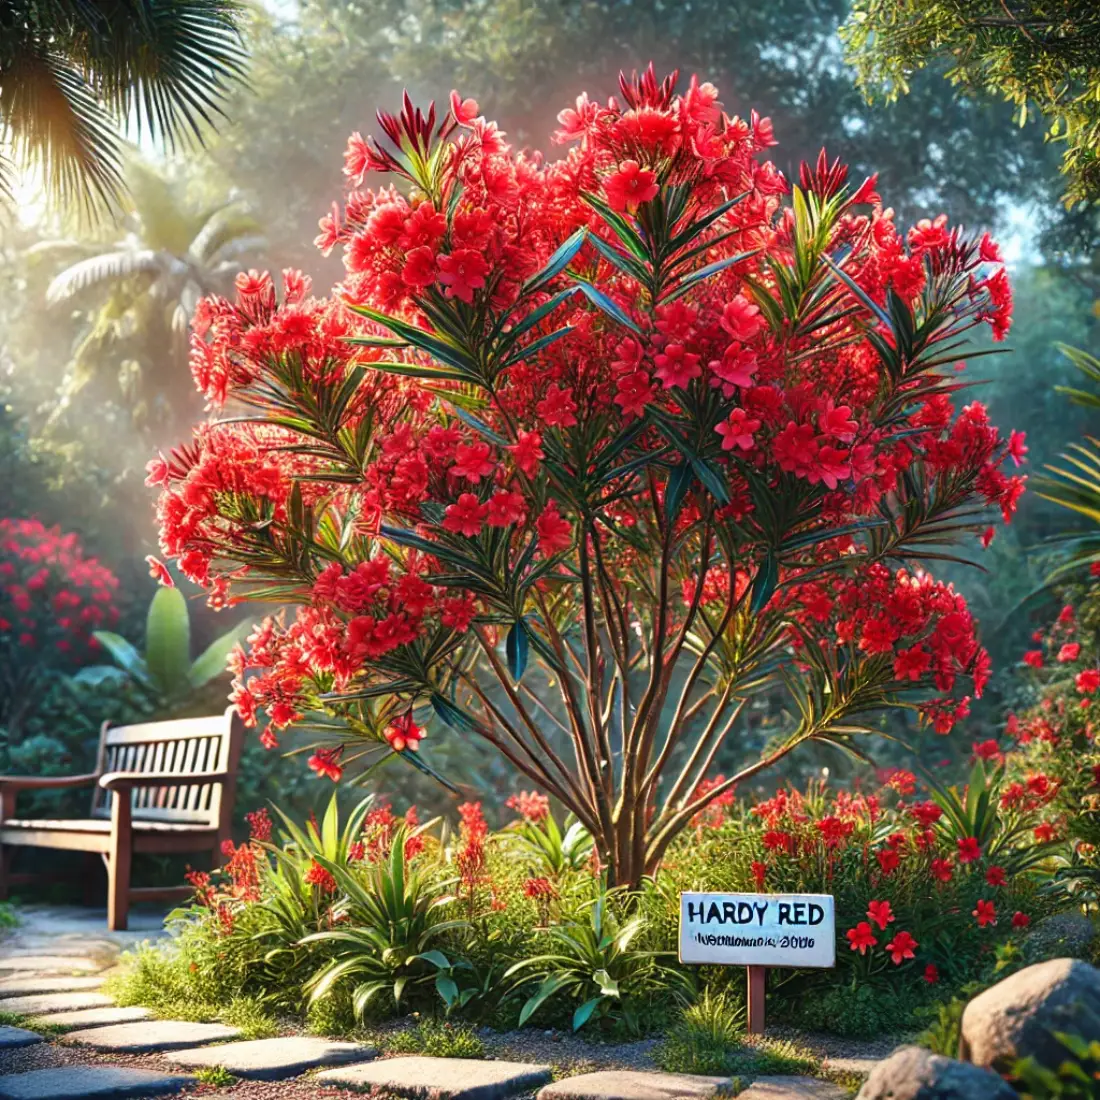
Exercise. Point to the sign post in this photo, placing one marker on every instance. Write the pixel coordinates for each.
(757, 931)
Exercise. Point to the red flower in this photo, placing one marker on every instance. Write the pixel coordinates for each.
(969, 849)
(1020, 920)
(888, 860)
(467, 516)
(530, 805)
(737, 431)
(326, 763)
(539, 888)
(931, 974)
(403, 733)
(320, 877)
(629, 187)
(1069, 652)
(985, 913)
(159, 572)
(1044, 832)
(759, 873)
(995, 875)
(776, 840)
(901, 947)
(462, 272)
(941, 870)
(833, 830)
(1034, 657)
(1088, 681)
(861, 937)
(880, 913)
(555, 533)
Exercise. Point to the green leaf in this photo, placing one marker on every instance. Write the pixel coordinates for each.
(558, 262)
(211, 662)
(679, 478)
(125, 655)
(516, 646)
(168, 642)
(763, 586)
(548, 988)
(584, 1012)
(603, 303)
(447, 988)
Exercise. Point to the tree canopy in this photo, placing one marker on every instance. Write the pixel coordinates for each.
(1039, 55)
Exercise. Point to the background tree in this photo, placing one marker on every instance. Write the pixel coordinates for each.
(72, 73)
(1039, 55)
(139, 289)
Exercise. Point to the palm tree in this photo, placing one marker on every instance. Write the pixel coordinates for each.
(139, 292)
(74, 72)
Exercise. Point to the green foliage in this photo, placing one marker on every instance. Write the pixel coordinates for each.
(437, 1039)
(706, 1034)
(943, 1035)
(9, 918)
(550, 850)
(1077, 1076)
(595, 961)
(215, 1076)
(391, 928)
(1037, 55)
(72, 79)
(709, 1038)
(166, 669)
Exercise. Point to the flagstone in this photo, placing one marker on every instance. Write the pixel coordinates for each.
(44, 1003)
(49, 964)
(94, 1017)
(440, 1078)
(151, 1036)
(16, 987)
(17, 1037)
(273, 1059)
(90, 1083)
(636, 1085)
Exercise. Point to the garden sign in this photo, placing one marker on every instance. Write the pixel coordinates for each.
(758, 931)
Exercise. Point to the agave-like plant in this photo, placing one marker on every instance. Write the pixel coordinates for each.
(597, 963)
(554, 851)
(388, 929)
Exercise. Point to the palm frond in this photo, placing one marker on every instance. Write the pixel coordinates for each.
(104, 268)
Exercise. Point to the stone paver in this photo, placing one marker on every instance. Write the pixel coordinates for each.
(457, 1078)
(94, 1017)
(49, 964)
(89, 1083)
(151, 1036)
(18, 987)
(45, 1003)
(792, 1088)
(636, 1085)
(273, 1059)
(17, 1037)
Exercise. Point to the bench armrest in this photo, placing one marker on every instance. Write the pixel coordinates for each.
(44, 782)
(124, 781)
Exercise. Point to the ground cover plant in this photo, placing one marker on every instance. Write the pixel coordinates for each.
(630, 426)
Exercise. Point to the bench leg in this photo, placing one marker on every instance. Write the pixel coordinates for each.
(118, 868)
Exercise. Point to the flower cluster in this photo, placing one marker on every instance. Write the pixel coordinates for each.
(52, 596)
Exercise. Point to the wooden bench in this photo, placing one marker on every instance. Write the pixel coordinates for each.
(160, 787)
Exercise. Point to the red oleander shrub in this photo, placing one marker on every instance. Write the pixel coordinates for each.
(646, 426)
(52, 598)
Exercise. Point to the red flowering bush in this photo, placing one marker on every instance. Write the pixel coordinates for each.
(52, 599)
(647, 416)
(927, 885)
(1056, 754)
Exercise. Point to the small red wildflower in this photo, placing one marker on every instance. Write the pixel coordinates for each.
(941, 870)
(320, 877)
(995, 875)
(861, 937)
(630, 186)
(931, 974)
(880, 913)
(888, 860)
(985, 912)
(901, 947)
(1020, 920)
(969, 849)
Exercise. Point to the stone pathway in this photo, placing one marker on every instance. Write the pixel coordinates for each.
(62, 1038)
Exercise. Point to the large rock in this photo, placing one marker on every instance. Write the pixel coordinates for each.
(1017, 1017)
(1065, 935)
(913, 1073)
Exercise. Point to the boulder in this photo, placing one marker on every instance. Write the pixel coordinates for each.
(913, 1073)
(1016, 1018)
(1064, 935)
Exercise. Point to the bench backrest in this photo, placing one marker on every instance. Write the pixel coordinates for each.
(183, 746)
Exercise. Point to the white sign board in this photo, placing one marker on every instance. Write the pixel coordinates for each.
(758, 929)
